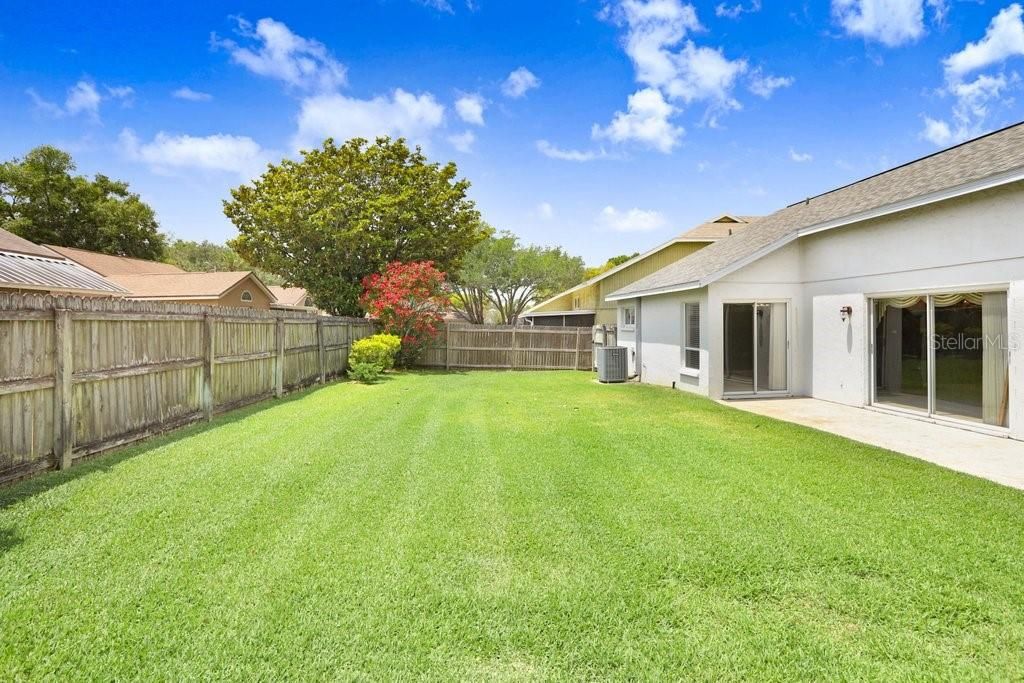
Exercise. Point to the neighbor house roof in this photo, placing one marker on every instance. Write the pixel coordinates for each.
(713, 230)
(289, 296)
(24, 265)
(989, 161)
(13, 243)
(106, 264)
(182, 285)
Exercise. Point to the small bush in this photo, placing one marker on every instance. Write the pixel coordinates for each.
(367, 373)
(379, 350)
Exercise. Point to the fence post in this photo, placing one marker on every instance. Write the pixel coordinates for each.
(320, 349)
(576, 365)
(512, 353)
(208, 358)
(447, 346)
(63, 417)
(279, 365)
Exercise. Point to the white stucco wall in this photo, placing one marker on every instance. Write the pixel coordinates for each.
(840, 360)
(968, 243)
(659, 353)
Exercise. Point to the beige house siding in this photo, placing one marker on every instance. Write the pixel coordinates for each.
(591, 297)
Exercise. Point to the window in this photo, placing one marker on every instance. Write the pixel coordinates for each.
(944, 354)
(691, 336)
(247, 296)
(629, 317)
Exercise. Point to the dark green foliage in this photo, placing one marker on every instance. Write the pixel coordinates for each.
(344, 212)
(43, 201)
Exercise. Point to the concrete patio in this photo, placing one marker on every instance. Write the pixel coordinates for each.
(990, 457)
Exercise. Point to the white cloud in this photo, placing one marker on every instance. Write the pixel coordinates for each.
(463, 141)
(444, 5)
(633, 220)
(764, 85)
(44, 105)
(654, 31)
(889, 22)
(187, 93)
(975, 99)
(282, 55)
(439, 5)
(470, 109)
(937, 132)
(83, 98)
(737, 10)
(799, 157)
(646, 121)
(653, 27)
(545, 211)
(402, 114)
(124, 93)
(1003, 39)
(225, 153)
(553, 152)
(519, 82)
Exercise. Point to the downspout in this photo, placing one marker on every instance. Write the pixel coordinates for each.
(638, 340)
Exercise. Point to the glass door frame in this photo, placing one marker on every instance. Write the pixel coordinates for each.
(929, 296)
(754, 303)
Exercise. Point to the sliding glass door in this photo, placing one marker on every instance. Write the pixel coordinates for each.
(944, 355)
(756, 348)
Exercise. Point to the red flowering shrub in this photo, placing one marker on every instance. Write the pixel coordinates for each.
(410, 300)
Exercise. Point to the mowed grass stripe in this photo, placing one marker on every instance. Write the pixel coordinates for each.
(508, 526)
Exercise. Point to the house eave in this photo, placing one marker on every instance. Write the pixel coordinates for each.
(998, 180)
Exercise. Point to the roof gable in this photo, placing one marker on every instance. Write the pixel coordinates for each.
(705, 232)
(185, 285)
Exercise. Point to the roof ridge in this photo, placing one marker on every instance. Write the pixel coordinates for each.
(907, 163)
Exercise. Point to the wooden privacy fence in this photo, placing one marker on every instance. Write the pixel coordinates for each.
(78, 376)
(511, 347)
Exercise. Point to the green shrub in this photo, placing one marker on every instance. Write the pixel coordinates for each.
(367, 373)
(379, 350)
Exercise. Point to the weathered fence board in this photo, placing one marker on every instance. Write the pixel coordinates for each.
(511, 348)
(78, 376)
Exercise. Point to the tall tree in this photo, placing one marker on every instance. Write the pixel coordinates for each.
(341, 213)
(43, 200)
(511, 276)
(207, 256)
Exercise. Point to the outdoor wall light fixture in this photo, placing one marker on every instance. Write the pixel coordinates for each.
(845, 312)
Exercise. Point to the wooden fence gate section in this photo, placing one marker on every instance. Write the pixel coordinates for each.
(506, 347)
(78, 376)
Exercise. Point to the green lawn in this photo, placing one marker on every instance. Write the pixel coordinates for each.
(513, 527)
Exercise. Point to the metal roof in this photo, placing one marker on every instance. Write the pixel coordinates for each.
(27, 271)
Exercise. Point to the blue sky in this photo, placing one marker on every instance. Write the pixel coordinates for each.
(605, 127)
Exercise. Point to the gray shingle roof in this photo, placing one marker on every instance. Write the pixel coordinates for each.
(972, 161)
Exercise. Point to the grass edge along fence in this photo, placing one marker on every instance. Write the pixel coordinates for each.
(84, 375)
(510, 347)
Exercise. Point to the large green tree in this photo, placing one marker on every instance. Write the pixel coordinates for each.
(343, 212)
(209, 256)
(508, 276)
(43, 200)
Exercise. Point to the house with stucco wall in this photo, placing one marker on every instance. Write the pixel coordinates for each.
(902, 292)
